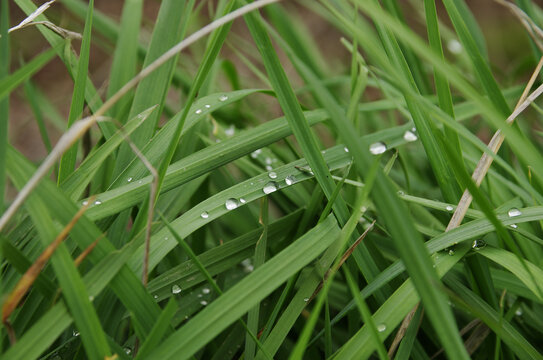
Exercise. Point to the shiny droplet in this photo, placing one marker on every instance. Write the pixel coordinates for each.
(255, 153)
(454, 46)
(155, 296)
(270, 187)
(176, 289)
(514, 212)
(127, 350)
(242, 200)
(198, 112)
(272, 175)
(381, 327)
(478, 244)
(409, 136)
(451, 252)
(206, 291)
(85, 203)
(269, 168)
(203, 303)
(518, 312)
(306, 299)
(378, 148)
(223, 98)
(75, 333)
(231, 204)
(207, 106)
(229, 131)
(204, 215)
(449, 208)
(291, 179)
(514, 226)
(129, 179)
(401, 193)
(97, 202)
(268, 160)
(91, 298)
(345, 149)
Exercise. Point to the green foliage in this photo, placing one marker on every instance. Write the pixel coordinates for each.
(302, 191)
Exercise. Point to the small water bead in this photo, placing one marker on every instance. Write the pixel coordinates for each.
(272, 175)
(199, 295)
(203, 303)
(231, 204)
(518, 312)
(155, 296)
(198, 112)
(449, 208)
(206, 290)
(378, 148)
(514, 226)
(204, 215)
(514, 212)
(91, 298)
(381, 327)
(139, 182)
(269, 168)
(478, 244)
(409, 136)
(345, 149)
(247, 265)
(127, 350)
(454, 46)
(85, 203)
(270, 187)
(207, 106)
(97, 202)
(306, 299)
(75, 333)
(229, 131)
(242, 200)
(268, 160)
(289, 180)
(223, 98)
(129, 179)
(451, 252)
(401, 193)
(176, 289)
(255, 153)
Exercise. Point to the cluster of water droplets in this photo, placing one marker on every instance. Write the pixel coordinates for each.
(222, 98)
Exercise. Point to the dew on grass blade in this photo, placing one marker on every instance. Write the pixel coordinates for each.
(203, 302)
(255, 153)
(272, 175)
(345, 149)
(514, 226)
(198, 112)
(378, 148)
(289, 180)
(514, 212)
(223, 98)
(270, 187)
(478, 244)
(231, 204)
(449, 208)
(381, 327)
(97, 202)
(204, 215)
(242, 200)
(206, 290)
(176, 289)
(207, 106)
(409, 136)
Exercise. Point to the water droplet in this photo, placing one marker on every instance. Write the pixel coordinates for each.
(229, 131)
(454, 46)
(129, 179)
(401, 193)
(204, 215)
(270, 187)
(478, 244)
(269, 167)
(155, 296)
(378, 148)
(127, 350)
(206, 290)
(207, 106)
(514, 226)
(198, 112)
(518, 312)
(91, 298)
(409, 136)
(346, 149)
(199, 295)
(165, 238)
(242, 200)
(223, 98)
(85, 203)
(289, 180)
(97, 202)
(514, 212)
(306, 299)
(139, 182)
(75, 333)
(449, 208)
(203, 303)
(272, 175)
(247, 265)
(176, 289)
(381, 327)
(268, 160)
(451, 252)
(255, 153)
(231, 204)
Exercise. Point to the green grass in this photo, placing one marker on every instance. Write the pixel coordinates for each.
(301, 185)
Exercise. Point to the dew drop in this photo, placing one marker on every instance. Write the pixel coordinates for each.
(514, 212)
(229, 131)
(269, 167)
(291, 179)
(381, 327)
(247, 265)
(272, 175)
(242, 200)
(270, 187)
(409, 136)
(176, 289)
(129, 179)
(85, 203)
(97, 202)
(127, 350)
(206, 291)
(155, 296)
(345, 149)
(378, 148)
(207, 106)
(268, 160)
(306, 299)
(204, 215)
(514, 226)
(91, 298)
(255, 153)
(75, 333)
(454, 46)
(223, 98)
(451, 252)
(139, 182)
(518, 312)
(478, 244)
(401, 193)
(198, 112)
(231, 204)
(203, 303)
(449, 208)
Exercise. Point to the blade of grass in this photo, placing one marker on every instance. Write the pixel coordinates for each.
(4, 103)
